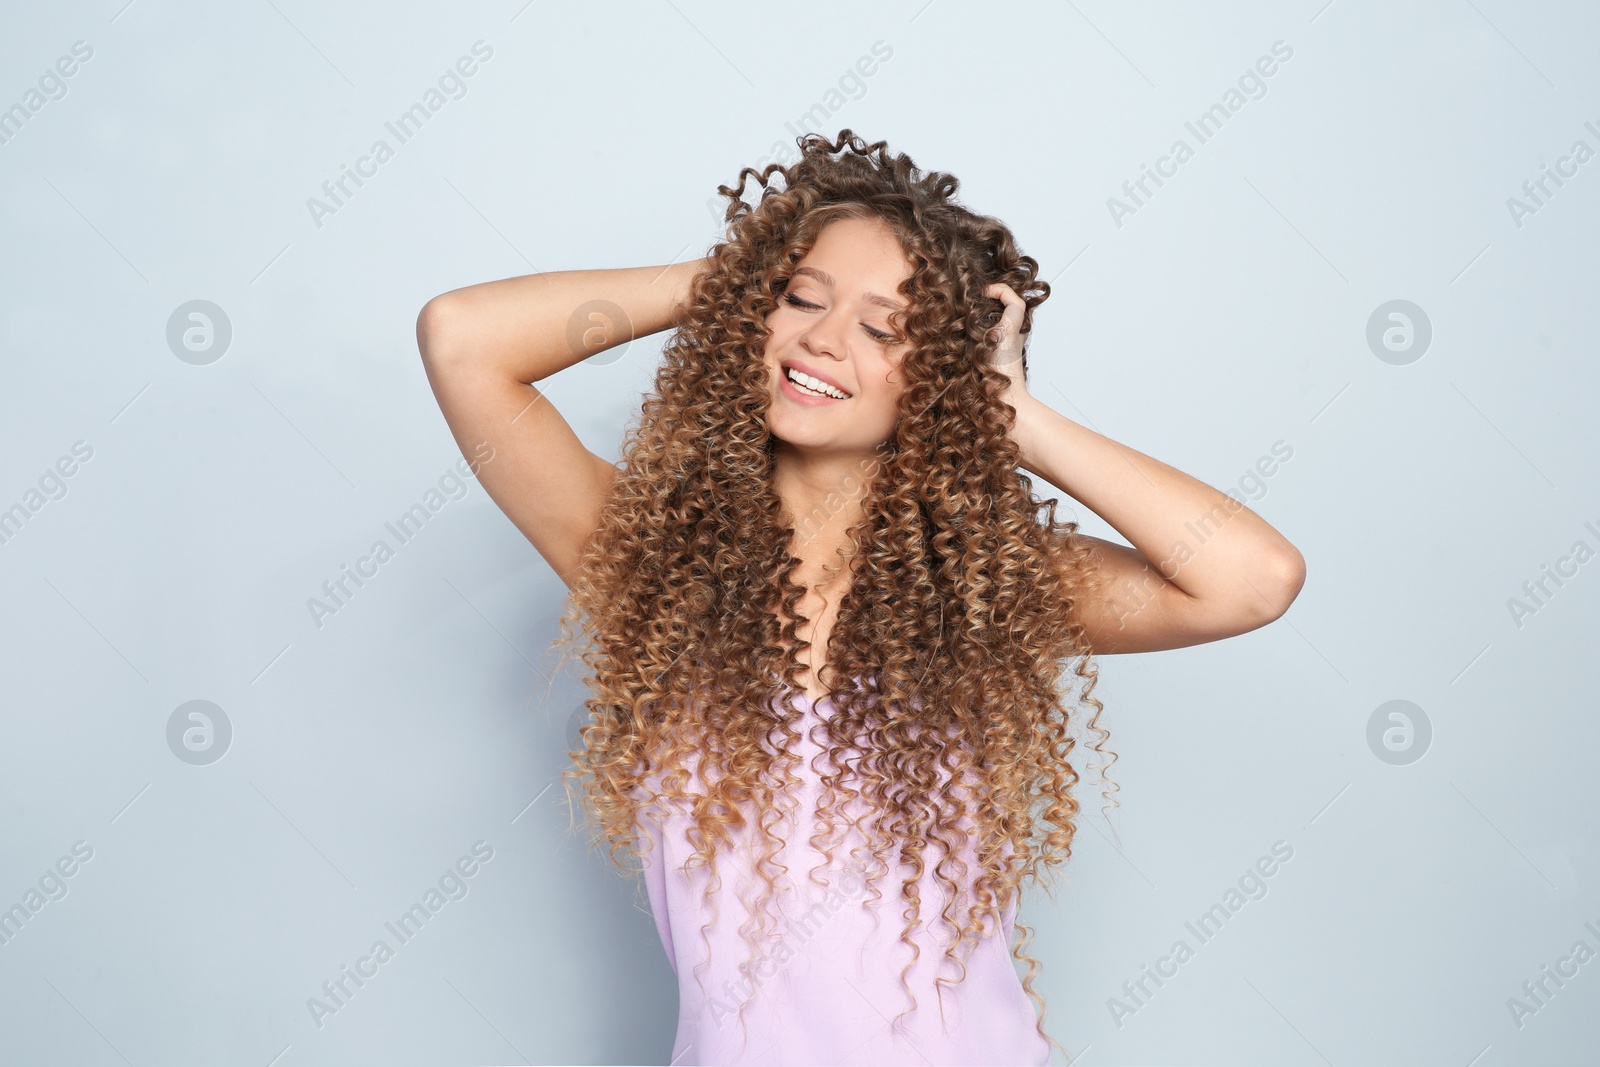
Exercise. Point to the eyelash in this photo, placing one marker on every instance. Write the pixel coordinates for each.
(877, 335)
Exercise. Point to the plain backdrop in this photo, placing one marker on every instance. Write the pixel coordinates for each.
(1357, 298)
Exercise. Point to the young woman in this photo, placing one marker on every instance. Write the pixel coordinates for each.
(827, 618)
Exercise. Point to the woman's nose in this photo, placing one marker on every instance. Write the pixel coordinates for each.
(822, 337)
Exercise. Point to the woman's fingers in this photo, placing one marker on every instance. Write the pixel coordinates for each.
(1009, 330)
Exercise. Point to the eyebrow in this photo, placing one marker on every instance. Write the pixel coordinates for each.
(827, 279)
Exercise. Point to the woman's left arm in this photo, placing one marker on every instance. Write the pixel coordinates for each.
(1203, 566)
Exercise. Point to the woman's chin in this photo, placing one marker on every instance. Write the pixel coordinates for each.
(812, 439)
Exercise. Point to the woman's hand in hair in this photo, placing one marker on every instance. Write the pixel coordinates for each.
(1008, 355)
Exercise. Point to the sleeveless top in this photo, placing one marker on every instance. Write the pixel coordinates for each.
(825, 984)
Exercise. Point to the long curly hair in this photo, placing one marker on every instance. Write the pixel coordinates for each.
(946, 658)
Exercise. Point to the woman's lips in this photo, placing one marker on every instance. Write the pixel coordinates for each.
(788, 389)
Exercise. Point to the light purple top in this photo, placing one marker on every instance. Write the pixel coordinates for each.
(826, 983)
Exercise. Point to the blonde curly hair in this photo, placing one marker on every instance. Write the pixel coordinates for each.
(954, 631)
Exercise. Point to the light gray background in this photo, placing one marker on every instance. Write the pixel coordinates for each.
(1227, 313)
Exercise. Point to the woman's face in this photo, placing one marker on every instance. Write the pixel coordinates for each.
(832, 323)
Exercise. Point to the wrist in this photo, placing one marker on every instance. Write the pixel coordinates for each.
(1030, 415)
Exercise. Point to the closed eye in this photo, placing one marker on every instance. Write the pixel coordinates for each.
(877, 335)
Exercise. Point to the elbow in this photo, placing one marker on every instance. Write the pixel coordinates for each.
(1269, 592)
(1287, 577)
(433, 329)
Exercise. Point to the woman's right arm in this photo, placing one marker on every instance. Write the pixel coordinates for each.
(485, 345)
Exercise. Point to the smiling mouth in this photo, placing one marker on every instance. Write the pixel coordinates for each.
(806, 385)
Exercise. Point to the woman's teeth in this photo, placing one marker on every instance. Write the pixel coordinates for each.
(815, 387)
